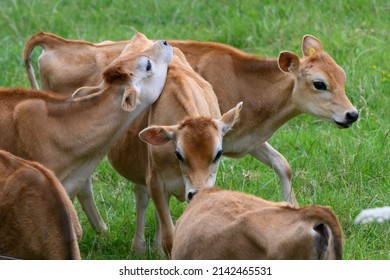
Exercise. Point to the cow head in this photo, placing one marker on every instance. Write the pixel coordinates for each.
(320, 84)
(198, 146)
(138, 74)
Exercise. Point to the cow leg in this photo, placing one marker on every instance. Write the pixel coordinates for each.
(87, 201)
(157, 233)
(271, 157)
(161, 203)
(141, 202)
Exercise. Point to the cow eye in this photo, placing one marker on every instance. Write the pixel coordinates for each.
(148, 65)
(217, 156)
(319, 85)
(179, 157)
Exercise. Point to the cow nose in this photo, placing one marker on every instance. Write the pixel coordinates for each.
(191, 194)
(352, 116)
(165, 43)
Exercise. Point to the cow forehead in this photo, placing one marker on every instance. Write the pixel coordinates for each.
(131, 56)
(136, 46)
(196, 135)
(197, 129)
(325, 65)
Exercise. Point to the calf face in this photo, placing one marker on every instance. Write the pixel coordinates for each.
(139, 71)
(198, 142)
(320, 86)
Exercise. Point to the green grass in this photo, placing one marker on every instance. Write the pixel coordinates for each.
(345, 169)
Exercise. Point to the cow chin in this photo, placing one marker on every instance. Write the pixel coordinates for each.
(342, 125)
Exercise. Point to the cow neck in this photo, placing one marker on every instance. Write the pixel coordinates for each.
(94, 120)
(266, 93)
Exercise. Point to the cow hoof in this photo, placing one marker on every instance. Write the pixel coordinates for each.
(139, 247)
(102, 230)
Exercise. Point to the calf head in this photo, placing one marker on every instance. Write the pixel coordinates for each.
(139, 73)
(320, 84)
(198, 146)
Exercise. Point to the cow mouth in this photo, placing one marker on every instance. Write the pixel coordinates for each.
(342, 125)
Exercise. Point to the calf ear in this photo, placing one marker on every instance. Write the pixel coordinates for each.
(139, 36)
(130, 99)
(288, 62)
(230, 118)
(311, 45)
(158, 135)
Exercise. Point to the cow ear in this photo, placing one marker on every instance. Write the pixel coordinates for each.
(288, 62)
(230, 118)
(130, 99)
(158, 135)
(139, 36)
(311, 45)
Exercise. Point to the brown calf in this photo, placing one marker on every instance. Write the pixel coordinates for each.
(72, 135)
(221, 224)
(277, 91)
(37, 218)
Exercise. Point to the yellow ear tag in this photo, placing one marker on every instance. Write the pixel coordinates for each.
(312, 51)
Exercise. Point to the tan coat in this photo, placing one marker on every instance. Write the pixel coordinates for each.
(37, 218)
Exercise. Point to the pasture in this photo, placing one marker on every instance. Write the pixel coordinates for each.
(347, 169)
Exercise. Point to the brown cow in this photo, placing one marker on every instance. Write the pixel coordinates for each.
(277, 91)
(37, 218)
(274, 90)
(222, 224)
(72, 135)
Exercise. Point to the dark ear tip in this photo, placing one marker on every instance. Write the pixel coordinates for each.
(115, 74)
(323, 230)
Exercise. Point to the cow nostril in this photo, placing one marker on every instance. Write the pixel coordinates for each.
(165, 43)
(352, 116)
(191, 194)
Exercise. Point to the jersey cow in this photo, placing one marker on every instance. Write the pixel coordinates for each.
(37, 218)
(222, 224)
(71, 135)
(274, 90)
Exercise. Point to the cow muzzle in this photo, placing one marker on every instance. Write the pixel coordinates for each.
(349, 118)
(190, 195)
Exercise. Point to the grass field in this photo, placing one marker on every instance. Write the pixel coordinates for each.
(345, 169)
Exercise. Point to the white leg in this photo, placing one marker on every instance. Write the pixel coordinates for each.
(271, 157)
(87, 201)
(141, 202)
